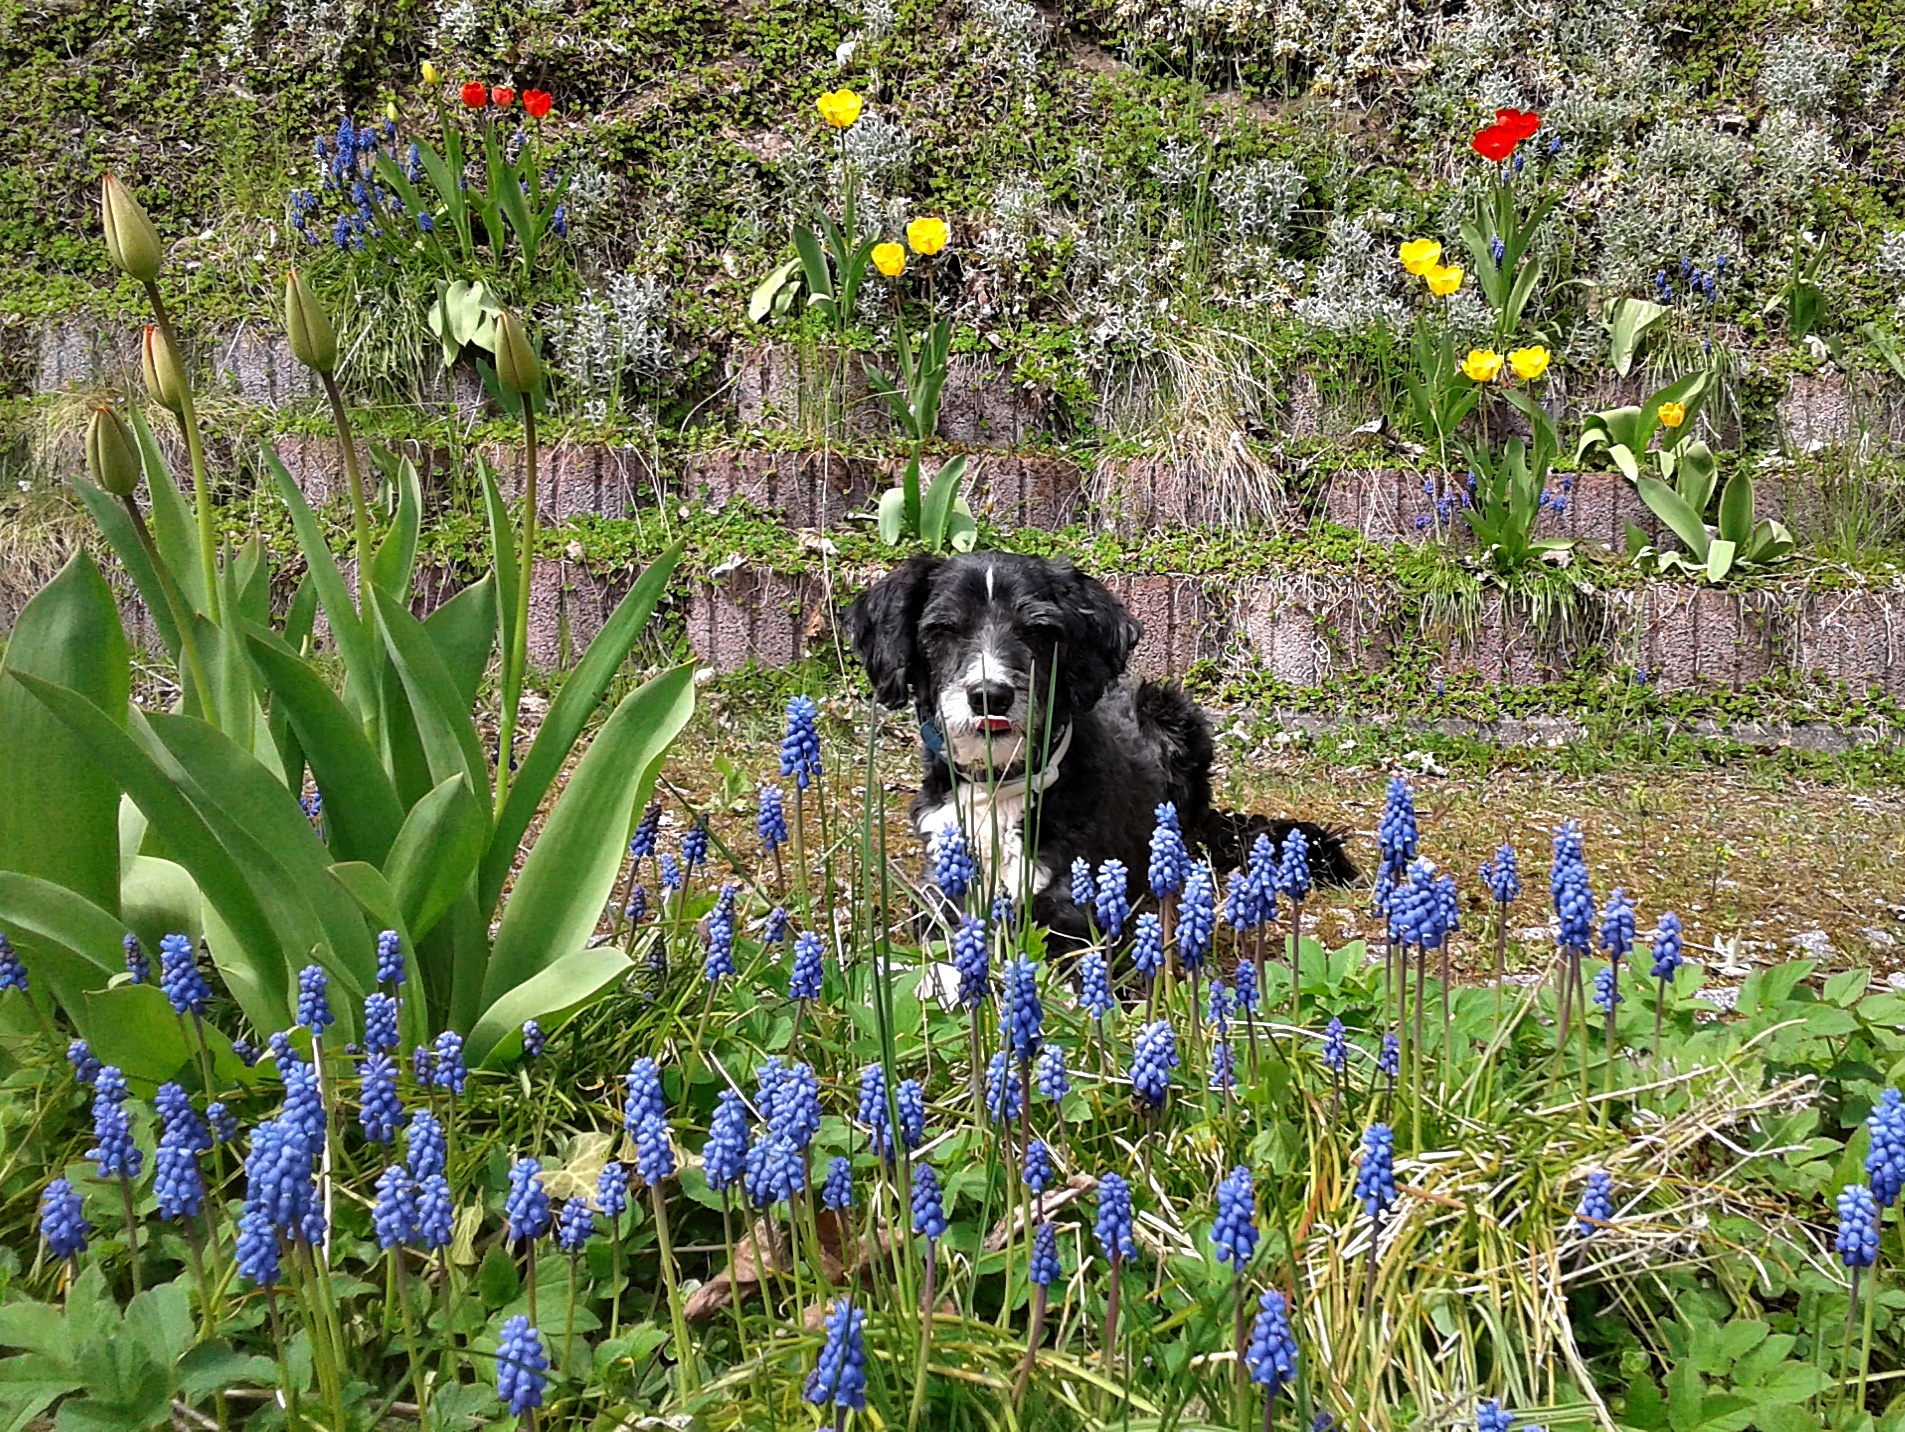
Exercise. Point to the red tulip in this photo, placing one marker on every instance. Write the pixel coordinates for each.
(502, 96)
(537, 102)
(475, 95)
(1521, 123)
(1496, 142)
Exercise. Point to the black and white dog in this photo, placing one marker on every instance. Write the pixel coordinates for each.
(1013, 665)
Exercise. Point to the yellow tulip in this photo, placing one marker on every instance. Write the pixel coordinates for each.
(1672, 415)
(927, 236)
(1529, 363)
(1444, 281)
(431, 75)
(889, 259)
(1420, 255)
(840, 108)
(1483, 365)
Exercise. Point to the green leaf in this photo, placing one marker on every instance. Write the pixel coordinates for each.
(391, 565)
(1736, 508)
(158, 898)
(435, 853)
(1633, 318)
(1845, 987)
(463, 630)
(1667, 505)
(63, 938)
(892, 513)
(761, 301)
(160, 1319)
(503, 565)
(497, 1280)
(558, 898)
(174, 527)
(449, 736)
(549, 997)
(361, 811)
(109, 515)
(936, 508)
(1719, 559)
(134, 1027)
(555, 739)
(347, 628)
(813, 263)
(214, 1367)
(36, 1327)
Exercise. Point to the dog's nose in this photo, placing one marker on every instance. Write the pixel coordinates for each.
(990, 698)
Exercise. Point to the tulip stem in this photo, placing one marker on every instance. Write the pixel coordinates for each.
(201, 483)
(181, 614)
(347, 446)
(519, 638)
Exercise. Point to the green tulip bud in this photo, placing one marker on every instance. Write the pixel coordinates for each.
(516, 363)
(130, 238)
(112, 453)
(312, 338)
(164, 373)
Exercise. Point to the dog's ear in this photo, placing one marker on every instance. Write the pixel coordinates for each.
(1099, 637)
(883, 624)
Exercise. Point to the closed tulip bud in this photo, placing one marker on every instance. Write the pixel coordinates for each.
(312, 339)
(431, 75)
(112, 453)
(164, 373)
(516, 362)
(390, 110)
(130, 238)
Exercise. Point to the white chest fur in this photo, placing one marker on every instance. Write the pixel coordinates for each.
(994, 825)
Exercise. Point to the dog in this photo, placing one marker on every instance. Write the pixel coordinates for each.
(1014, 667)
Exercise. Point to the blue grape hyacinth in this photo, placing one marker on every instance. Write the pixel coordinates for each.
(534, 1040)
(1050, 1074)
(137, 964)
(789, 1101)
(1617, 926)
(1491, 1416)
(1668, 941)
(1113, 902)
(1293, 869)
(114, 1154)
(1272, 1354)
(1246, 983)
(1573, 896)
(394, 1215)
(12, 972)
(836, 1192)
(177, 1184)
(86, 1066)
(1170, 862)
(775, 1171)
(1501, 876)
(1857, 1243)
(1043, 1268)
(1336, 1047)
(1022, 1017)
(1037, 1171)
(380, 1022)
(1607, 988)
(178, 1120)
(1389, 1061)
(1003, 1094)
(725, 1154)
(257, 1250)
(1396, 835)
(611, 1190)
(1147, 945)
(379, 1110)
(1094, 982)
(800, 747)
(1597, 1203)
(1152, 1062)
(873, 1112)
(1376, 1179)
(436, 1213)
(521, 1366)
(641, 845)
(953, 867)
(720, 961)
(911, 1099)
(654, 1151)
(1114, 1223)
(1197, 918)
(448, 1071)
(179, 976)
(424, 1145)
(972, 960)
(774, 928)
(314, 1005)
(1223, 1066)
(840, 1377)
(643, 1097)
(929, 1204)
(1234, 1234)
(770, 819)
(63, 1220)
(1885, 1159)
(804, 981)
(526, 1208)
(694, 846)
(1083, 888)
(575, 1225)
(390, 967)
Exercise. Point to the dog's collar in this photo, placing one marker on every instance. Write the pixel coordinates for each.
(1037, 781)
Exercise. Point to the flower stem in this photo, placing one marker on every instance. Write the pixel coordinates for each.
(195, 448)
(516, 657)
(684, 1350)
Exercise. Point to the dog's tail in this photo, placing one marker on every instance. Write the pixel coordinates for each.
(1227, 836)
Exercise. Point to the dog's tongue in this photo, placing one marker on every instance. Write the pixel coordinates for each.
(992, 725)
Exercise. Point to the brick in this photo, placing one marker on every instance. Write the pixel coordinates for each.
(1183, 624)
(804, 489)
(756, 615)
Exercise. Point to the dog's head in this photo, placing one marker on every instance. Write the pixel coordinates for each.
(996, 649)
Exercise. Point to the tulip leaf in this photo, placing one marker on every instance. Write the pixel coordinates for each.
(113, 523)
(64, 939)
(1736, 508)
(1668, 506)
(174, 528)
(548, 996)
(159, 898)
(134, 1027)
(570, 871)
(449, 736)
(1719, 559)
(1633, 319)
(435, 853)
(555, 739)
(502, 558)
(396, 556)
(347, 628)
(761, 302)
(463, 631)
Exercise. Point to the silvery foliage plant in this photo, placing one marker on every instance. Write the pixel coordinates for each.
(611, 343)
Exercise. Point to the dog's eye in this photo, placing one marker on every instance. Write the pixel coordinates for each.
(1048, 627)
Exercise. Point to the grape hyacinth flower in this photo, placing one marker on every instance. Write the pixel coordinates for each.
(526, 1208)
(775, 1170)
(800, 748)
(248, 1053)
(1170, 863)
(836, 1193)
(670, 873)
(1021, 1018)
(720, 961)
(63, 1221)
(115, 1154)
(1617, 927)
(379, 1110)
(694, 846)
(86, 1067)
(1113, 902)
(448, 1070)
(380, 1022)
(314, 1005)
(222, 1122)
(179, 977)
(1574, 912)
(425, 1146)
(534, 1040)
(789, 1101)
(911, 1099)
(724, 1156)
(1094, 980)
(178, 1120)
(641, 845)
(644, 1098)
(1597, 1203)
(873, 1111)
(1043, 1267)
(1376, 1179)
(12, 972)
(1501, 875)
(1885, 1159)
(1491, 1416)
(1242, 910)
(953, 867)
(1003, 1094)
(521, 1366)
(1234, 1234)
(1037, 1168)
(971, 961)
(574, 1225)
(1271, 1357)
(257, 1250)
(929, 1205)
(1336, 1060)
(1113, 1229)
(390, 963)
(1667, 945)
(1218, 1010)
(1151, 1064)
(770, 820)
(804, 980)
(1293, 866)
(176, 1181)
(1147, 946)
(1084, 891)
(1246, 987)
(1197, 919)
(840, 1377)
(137, 964)
(1396, 835)
(436, 1213)
(611, 1191)
(1607, 992)
(774, 928)
(1857, 1243)
(1052, 1080)
(393, 1215)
